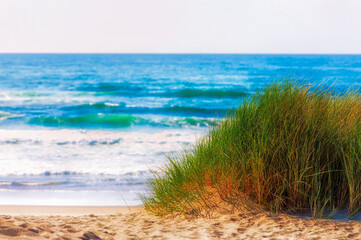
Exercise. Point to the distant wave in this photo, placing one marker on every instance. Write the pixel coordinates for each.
(109, 87)
(91, 142)
(126, 89)
(183, 93)
(100, 120)
(113, 89)
(194, 110)
(95, 106)
(107, 107)
(20, 141)
(73, 180)
(100, 105)
(104, 176)
(6, 115)
(206, 93)
(119, 121)
(31, 94)
(31, 184)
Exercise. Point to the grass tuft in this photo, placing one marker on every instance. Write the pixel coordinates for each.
(287, 148)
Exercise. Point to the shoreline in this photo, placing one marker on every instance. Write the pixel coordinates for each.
(28, 210)
(75, 211)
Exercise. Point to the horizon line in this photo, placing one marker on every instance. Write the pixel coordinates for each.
(180, 53)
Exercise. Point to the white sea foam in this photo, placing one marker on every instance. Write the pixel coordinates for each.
(6, 115)
(27, 152)
(69, 198)
(111, 104)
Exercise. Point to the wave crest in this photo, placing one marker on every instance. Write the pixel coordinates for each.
(119, 121)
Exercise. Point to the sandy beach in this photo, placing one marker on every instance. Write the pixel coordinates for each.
(29, 222)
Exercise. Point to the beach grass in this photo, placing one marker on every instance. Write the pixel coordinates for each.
(289, 147)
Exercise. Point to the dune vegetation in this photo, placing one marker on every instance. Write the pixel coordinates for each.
(289, 147)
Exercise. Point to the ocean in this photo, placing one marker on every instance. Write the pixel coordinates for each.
(88, 129)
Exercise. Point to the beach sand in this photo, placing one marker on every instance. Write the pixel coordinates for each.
(25, 222)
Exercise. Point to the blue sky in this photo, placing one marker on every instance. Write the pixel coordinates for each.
(181, 26)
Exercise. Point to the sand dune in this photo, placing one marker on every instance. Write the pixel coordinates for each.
(141, 225)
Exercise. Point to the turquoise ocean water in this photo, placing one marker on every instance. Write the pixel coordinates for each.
(84, 129)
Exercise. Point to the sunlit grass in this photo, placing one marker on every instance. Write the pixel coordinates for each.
(288, 148)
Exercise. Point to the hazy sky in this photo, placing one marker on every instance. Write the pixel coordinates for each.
(181, 26)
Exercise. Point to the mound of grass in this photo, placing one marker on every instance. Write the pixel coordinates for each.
(288, 148)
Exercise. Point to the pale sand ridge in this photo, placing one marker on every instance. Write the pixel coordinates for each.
(65, 210)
